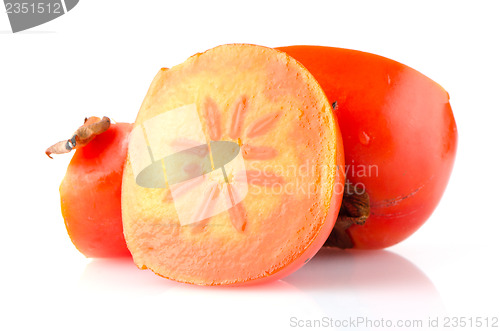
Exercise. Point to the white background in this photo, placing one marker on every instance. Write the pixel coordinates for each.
(100, 58)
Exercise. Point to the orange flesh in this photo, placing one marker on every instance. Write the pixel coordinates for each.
(268, 104)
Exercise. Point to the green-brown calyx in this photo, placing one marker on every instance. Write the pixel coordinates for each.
(355, 209)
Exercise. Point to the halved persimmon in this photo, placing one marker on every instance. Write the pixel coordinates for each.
(232, 174)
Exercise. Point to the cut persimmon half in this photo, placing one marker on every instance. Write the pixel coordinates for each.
(232, 174)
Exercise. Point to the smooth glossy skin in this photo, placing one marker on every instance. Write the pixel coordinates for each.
(399, 133)
(91, 194)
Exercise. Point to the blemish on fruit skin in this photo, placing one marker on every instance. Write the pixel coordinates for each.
(397, 200)
(364, 138)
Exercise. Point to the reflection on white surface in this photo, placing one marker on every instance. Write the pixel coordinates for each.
(121, 277)
(334, 284)
(379, 283)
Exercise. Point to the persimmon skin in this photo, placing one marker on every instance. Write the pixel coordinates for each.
(396, 120)
(91, 194)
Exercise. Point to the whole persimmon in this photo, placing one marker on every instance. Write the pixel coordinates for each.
(400, 141)
(91, 189)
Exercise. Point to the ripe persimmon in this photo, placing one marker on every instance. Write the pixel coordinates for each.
(91, 189)
(233, 170)
(400, 141)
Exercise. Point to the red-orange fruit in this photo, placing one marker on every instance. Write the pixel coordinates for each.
(232, 171)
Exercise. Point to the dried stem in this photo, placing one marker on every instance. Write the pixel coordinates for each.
(91, 127)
